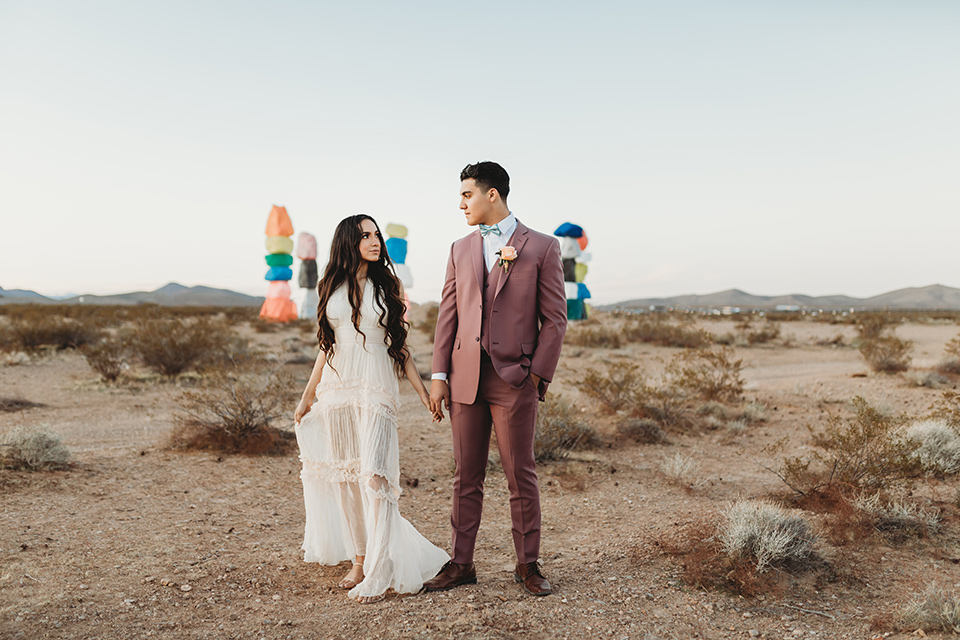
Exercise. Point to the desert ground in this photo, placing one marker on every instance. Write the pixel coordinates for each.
(138, 540)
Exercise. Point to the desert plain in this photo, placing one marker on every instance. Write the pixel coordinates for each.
(138, 540)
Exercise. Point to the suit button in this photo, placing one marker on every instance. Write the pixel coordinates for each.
(478, 339)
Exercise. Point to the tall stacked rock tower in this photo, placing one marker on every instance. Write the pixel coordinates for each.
(573, 241)
(278, 306)
(307, 252)
(397, 250)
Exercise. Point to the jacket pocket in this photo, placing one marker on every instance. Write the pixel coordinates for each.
(527, 348)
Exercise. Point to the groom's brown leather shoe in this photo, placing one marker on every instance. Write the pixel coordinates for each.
(452, 575)
(531, 577)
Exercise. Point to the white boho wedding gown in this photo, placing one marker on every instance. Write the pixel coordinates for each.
(351, 462)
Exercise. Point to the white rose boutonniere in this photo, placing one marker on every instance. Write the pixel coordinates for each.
(506, 256)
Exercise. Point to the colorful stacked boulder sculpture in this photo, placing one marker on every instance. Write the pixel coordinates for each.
(573, 241)
(307, 252)
(278, 306)
(397, 250)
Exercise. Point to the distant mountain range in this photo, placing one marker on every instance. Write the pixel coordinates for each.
(935, 296)
(171, 295)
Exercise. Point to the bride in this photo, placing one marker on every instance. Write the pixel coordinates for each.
(346, 423)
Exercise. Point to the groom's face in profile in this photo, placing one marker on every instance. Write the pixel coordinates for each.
(476, 203)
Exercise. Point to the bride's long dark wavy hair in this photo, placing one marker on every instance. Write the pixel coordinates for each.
(342, 268)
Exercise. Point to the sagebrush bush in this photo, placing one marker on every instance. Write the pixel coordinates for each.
(951, 358)
(429, 324)
(33, 449)
(874, 324)
(927, 379)
(681, 469)
(947, 408)
(664, 330)
(108, 357)
(897, 515)
(641, 430)
(597, 336)
(765, 533)
(560, 429)
(753, 413)
(761, 333)
(33, 333)
(867, 453)
(880, 347)
(16, 403)
(887, 354)
(935, 609)
(938, 446)
(171, 346)
(710, 374)
(236, 414)
(614, 389)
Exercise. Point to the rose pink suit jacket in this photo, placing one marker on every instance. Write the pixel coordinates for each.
(529, 314)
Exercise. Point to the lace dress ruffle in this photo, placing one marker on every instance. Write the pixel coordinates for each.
(351, 464)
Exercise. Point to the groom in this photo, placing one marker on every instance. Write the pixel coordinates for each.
(499, 331)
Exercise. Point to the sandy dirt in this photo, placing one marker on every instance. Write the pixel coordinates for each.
(139, 541)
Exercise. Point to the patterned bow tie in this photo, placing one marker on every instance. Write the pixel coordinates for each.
(488, 229)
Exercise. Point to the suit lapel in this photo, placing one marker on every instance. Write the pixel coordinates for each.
(476, 248)
(518, 239)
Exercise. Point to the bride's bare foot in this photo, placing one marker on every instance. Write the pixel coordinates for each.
(353, 577)
(371, 599)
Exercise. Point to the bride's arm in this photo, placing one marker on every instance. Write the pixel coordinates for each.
(413, 375)
(310, 392)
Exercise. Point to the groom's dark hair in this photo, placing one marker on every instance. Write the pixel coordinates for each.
(488, 175)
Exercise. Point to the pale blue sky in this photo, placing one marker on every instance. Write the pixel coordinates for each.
(776, 147)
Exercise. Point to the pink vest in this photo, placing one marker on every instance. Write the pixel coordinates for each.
(491, 280)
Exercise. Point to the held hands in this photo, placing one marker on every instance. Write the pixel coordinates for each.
(425, 399)
(439, 395)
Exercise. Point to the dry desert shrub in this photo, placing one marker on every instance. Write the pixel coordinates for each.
(750, 333)
(897, 515)
(236, 414)
(947, 408)
(766, 534)
(880, 347)
(665, 330)
(108, 357)
(615, 388)
(938, 446)
(753, 413)
(429, 323)
(560, 429)
(33, 449)
(926, 379)
(16, 403)
(935, 609)
(693, 374)
(596, 336)
(705, 565)
(642, 430)
(950, 364)
(887, 354)
(710, 374)
(682, 470)
(31, 334)
(171, 346)
(865, 453)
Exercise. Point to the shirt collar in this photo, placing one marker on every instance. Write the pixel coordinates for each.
(507, 226)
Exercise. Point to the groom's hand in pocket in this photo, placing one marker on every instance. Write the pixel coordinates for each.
(439, 396)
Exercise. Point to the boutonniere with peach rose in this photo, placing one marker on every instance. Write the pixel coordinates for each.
(507, 255)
